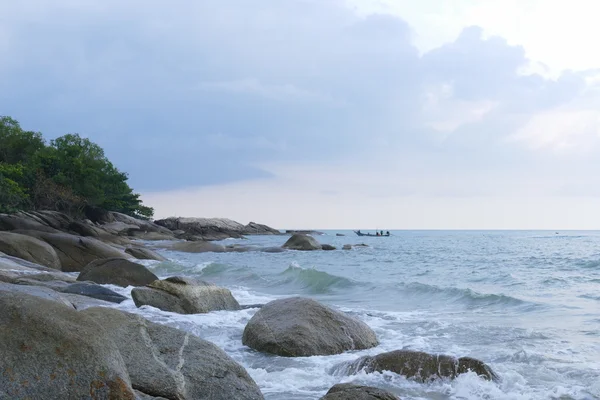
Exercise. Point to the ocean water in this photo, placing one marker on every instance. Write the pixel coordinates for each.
(525, 302)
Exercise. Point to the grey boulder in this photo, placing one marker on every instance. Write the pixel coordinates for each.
(350, 391)
(50, 351)
(300, 241)
(29, 248)
(298, 326)
(75, 252)
(421, 366)
(185, 296)
(117, 271)
(170, 363)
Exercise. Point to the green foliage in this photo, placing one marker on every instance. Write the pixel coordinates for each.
(69, 175)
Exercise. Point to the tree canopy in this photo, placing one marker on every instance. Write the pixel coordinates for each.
(70, 174)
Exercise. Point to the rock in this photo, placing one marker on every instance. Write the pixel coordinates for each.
(117, 221)
(23, 221)
(259, 229)
(327, 247)
(351, 246)
(75, 252)
(117, 271)
(142, 253)
(36, 291)
(52, 351)
(339, 234)
(82, 302)
(151, 235)
(272, 250)
(350, 391)
(298, 326)
(205, 228)
(303, 232)
(12, 268)
(90, 230)
(51, 276)
(143, 396)
(94, 291)
(421, 366)
(54, 285)
(302, 242)
(198, 247)
(185, 296)
(170, 363)
(29, 248)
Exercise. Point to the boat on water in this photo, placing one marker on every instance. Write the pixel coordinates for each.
(378, 234)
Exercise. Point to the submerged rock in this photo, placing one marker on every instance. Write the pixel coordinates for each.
(302, 242)
(350, 391)
(296, 326)
(420, 366)
(166, 362)
(117, 271)
(185, 296)
(50, 351)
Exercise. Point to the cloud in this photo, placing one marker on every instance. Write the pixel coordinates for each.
(212, 94)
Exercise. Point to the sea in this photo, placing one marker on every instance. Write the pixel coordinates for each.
(527, 303)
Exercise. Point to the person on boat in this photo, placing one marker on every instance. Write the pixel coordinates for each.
(381, 233)
(376, 233)
(359, 231)
(387, 233)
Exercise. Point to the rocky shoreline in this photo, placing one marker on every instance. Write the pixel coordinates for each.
(60, 336)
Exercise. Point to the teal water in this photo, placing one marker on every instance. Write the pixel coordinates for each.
(525, 302)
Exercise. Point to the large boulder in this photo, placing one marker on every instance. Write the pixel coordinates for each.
(299, 326)
(29, 248)
(23, 221)
(94, 291)
(350, 391)
(14, 267)
(420, 366)
(300, 241)
(142, 253)
(75, 252)
(170, 363)
(117, 271)
(50, 351)
(185, 296)
(130, 226)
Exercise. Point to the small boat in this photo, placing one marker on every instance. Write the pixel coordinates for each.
(359, 233)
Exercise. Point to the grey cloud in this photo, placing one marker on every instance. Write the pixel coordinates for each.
(195, 93)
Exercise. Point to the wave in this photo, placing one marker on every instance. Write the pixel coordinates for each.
(468, 297)
(312, 280)
(588, 264)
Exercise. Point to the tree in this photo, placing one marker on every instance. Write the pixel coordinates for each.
(12, 196)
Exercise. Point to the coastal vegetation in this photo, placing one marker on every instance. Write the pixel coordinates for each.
(70, 174)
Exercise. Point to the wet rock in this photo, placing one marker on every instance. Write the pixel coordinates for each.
(142, 253)
(50, 351)
(166, 362)
(94, 291)
(29, 248)
(349, 391)
(328, 247)
(302, 242)
(421, 366)
(54, 284)
(117, 271)
(205, 228)
(339, 234)
(185, 296)
(296, 326)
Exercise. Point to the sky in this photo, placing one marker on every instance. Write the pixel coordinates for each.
(339, 114)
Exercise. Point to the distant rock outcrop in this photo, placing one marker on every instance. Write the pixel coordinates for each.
(213, 228)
